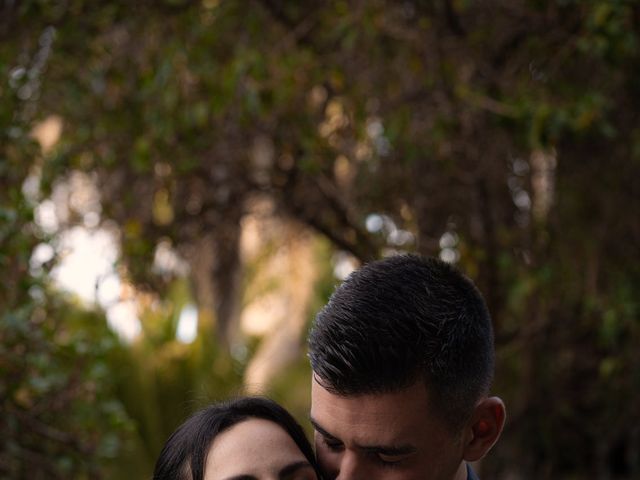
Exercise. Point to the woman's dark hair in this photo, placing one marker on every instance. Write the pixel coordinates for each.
(184, 455)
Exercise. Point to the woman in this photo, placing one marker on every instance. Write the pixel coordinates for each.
(250, 438)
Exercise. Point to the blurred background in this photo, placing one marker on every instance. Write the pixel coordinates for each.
(184, 182)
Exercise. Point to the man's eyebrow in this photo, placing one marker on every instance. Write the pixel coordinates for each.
(292, 468)
(391, 450)
(322, 431)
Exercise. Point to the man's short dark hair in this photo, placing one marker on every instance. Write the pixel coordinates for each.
(402, 319)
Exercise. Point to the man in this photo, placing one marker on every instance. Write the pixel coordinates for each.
(403, 359)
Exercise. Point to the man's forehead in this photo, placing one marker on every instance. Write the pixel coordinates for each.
(416, 392)
(400, 421)
(400, 410)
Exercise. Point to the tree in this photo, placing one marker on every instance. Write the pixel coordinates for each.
(500, 135)
(59, 414)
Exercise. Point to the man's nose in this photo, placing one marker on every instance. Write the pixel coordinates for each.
(351, 468)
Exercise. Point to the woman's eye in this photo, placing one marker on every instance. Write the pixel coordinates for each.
(306, 475)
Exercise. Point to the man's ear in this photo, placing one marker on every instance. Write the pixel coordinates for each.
(484, 428)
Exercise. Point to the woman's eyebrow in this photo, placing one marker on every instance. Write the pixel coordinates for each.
(292, 468)
(283, 474)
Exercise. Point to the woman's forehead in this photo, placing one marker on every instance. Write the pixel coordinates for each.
(252, 447)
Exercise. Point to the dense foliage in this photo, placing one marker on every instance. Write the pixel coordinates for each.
(60, 417)
(501, 135)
